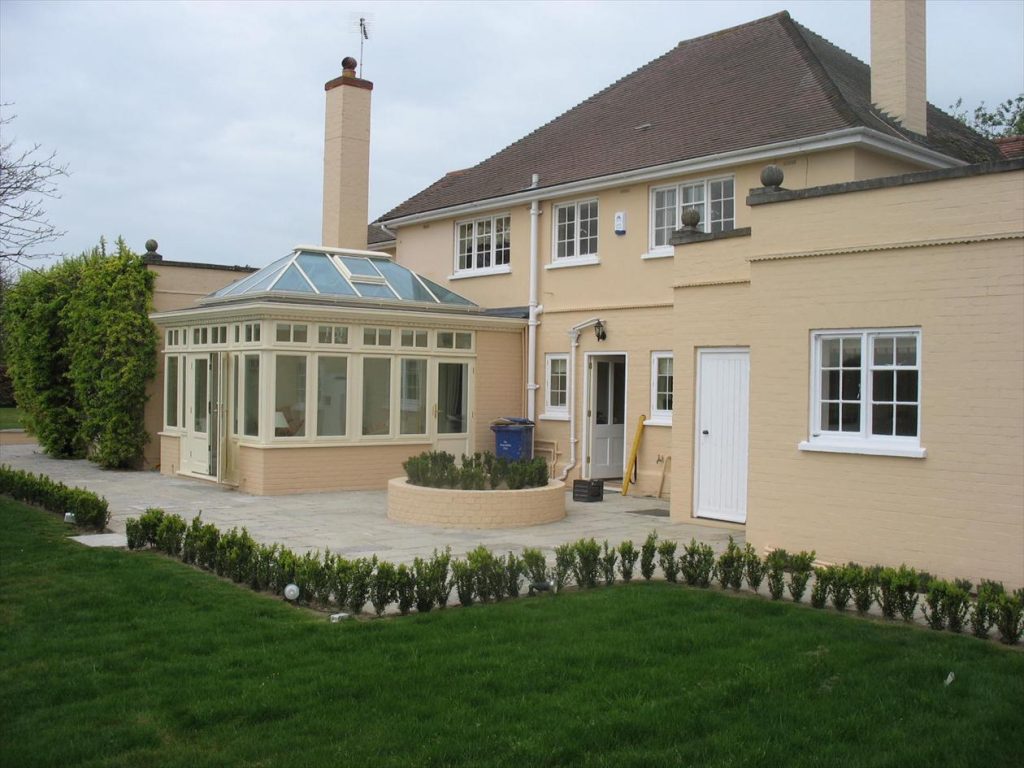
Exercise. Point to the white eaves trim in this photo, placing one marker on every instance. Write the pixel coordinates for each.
(847, 137)
(334, 313)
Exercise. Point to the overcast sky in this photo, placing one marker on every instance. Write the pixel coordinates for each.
(201, 124)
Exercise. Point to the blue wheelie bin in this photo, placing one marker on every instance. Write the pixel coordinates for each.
(513, 438)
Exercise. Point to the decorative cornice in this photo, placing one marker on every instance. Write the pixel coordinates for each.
(890, 246)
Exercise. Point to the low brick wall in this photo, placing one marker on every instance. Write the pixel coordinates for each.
(449, 508)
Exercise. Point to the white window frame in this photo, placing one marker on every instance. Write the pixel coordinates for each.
(862, 441)
(660, 251)
(555, 412)
(659, 416)
(576, 260)
(490, 267)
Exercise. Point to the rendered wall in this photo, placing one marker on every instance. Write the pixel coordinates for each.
(632, 294)
(946, 256)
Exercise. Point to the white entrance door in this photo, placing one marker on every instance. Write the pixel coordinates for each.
(201, 415)
(451, 411)
(607, 411)
(720, 469)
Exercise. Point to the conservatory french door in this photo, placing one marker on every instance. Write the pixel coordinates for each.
(201, 442)
(452, 407)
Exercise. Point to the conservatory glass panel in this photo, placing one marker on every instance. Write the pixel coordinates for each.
(324, 274)
(292, 280)
(404, 282)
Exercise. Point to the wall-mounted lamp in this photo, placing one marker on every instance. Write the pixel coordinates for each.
(599, 331)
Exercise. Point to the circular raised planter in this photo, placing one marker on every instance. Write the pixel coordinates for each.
(453, 508)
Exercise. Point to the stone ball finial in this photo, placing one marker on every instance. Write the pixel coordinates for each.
(691, 217)
(772, 176)
(151, 245)
(349, 63)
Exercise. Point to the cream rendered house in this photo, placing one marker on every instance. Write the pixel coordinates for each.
(590, 306)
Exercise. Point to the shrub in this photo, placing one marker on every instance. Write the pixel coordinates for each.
(647, 552)
(1009, 616)
(754, 567)
(802, 566)
(863, 584)
(489, 573)
(956, 605)
(924, 581)
(313, 574)
(149, 522)
(340, 578)
(608, 559)
(438, 568)
(697, 563)
(200, 544)
(667, 560)
(628, 555)
(983, 615)
(821, 587)
(170, 534)
(133, 532)
(405, 588)
(89, 509)
(775, 567)
(841, 586)
(465, 581)
(361, 582)
(565, 562)
(514, 570)
(536, 565)
(730, 566)
(897, 592)
(284, 568)
(383, 586)
(934, 602)
(586, 563)
(423, 585)
(481, 471)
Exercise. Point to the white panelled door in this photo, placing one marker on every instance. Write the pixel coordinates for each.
(720, 469)
(607, 411)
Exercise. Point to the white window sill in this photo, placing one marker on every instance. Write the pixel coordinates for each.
(657, 422)
(864, 447)
(576, 261)
(658, 253)
(554, 417)
(504, 269)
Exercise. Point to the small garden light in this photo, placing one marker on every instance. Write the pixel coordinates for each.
(291, 592)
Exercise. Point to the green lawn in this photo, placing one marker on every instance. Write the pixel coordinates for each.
(129, 659)
(10, 418)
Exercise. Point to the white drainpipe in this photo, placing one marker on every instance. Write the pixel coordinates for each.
(574, 341)
(535, 310)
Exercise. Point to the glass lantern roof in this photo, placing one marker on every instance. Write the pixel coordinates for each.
(344, 275)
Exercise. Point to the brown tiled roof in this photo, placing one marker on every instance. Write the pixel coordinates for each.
(375, 235)
(766, 81)
(1011, 146)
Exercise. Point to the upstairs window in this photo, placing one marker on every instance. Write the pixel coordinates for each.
(714, 199)
(483, 244)
(576, 230)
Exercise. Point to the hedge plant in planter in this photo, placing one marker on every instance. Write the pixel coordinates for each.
(776, 567)
(697, 563)
(754, 567)
(730, 566)
(608, 559)
(647, 553)
(586, 564)
(667, 560)
(821, 587)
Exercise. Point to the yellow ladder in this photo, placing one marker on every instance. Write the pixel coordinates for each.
(632, 455)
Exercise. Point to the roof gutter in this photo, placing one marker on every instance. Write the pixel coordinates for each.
(846, 137)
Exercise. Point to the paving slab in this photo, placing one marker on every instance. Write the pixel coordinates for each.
(117, 540)
(353, 523)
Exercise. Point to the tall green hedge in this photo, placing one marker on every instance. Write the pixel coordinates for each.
(80, 349)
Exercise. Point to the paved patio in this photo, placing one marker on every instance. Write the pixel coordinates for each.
(351, 523)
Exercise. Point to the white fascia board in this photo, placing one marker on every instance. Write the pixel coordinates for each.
(847, 137)
(339, 251)
(277, 310)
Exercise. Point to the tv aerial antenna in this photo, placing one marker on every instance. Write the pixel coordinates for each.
(362, 23)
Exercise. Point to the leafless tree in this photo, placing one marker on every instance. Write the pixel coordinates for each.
(27, 177)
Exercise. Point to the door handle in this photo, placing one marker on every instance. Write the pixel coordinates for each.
(705, 432)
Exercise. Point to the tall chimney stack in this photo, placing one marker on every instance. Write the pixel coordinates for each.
(898, 61)
(347, 159)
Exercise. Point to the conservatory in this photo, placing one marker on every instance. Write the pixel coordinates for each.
(327, 369)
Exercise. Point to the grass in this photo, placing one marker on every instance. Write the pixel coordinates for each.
(125, 659)
(10, 418)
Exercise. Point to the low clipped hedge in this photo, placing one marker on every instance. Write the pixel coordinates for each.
(479, 472)
(89, 509)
